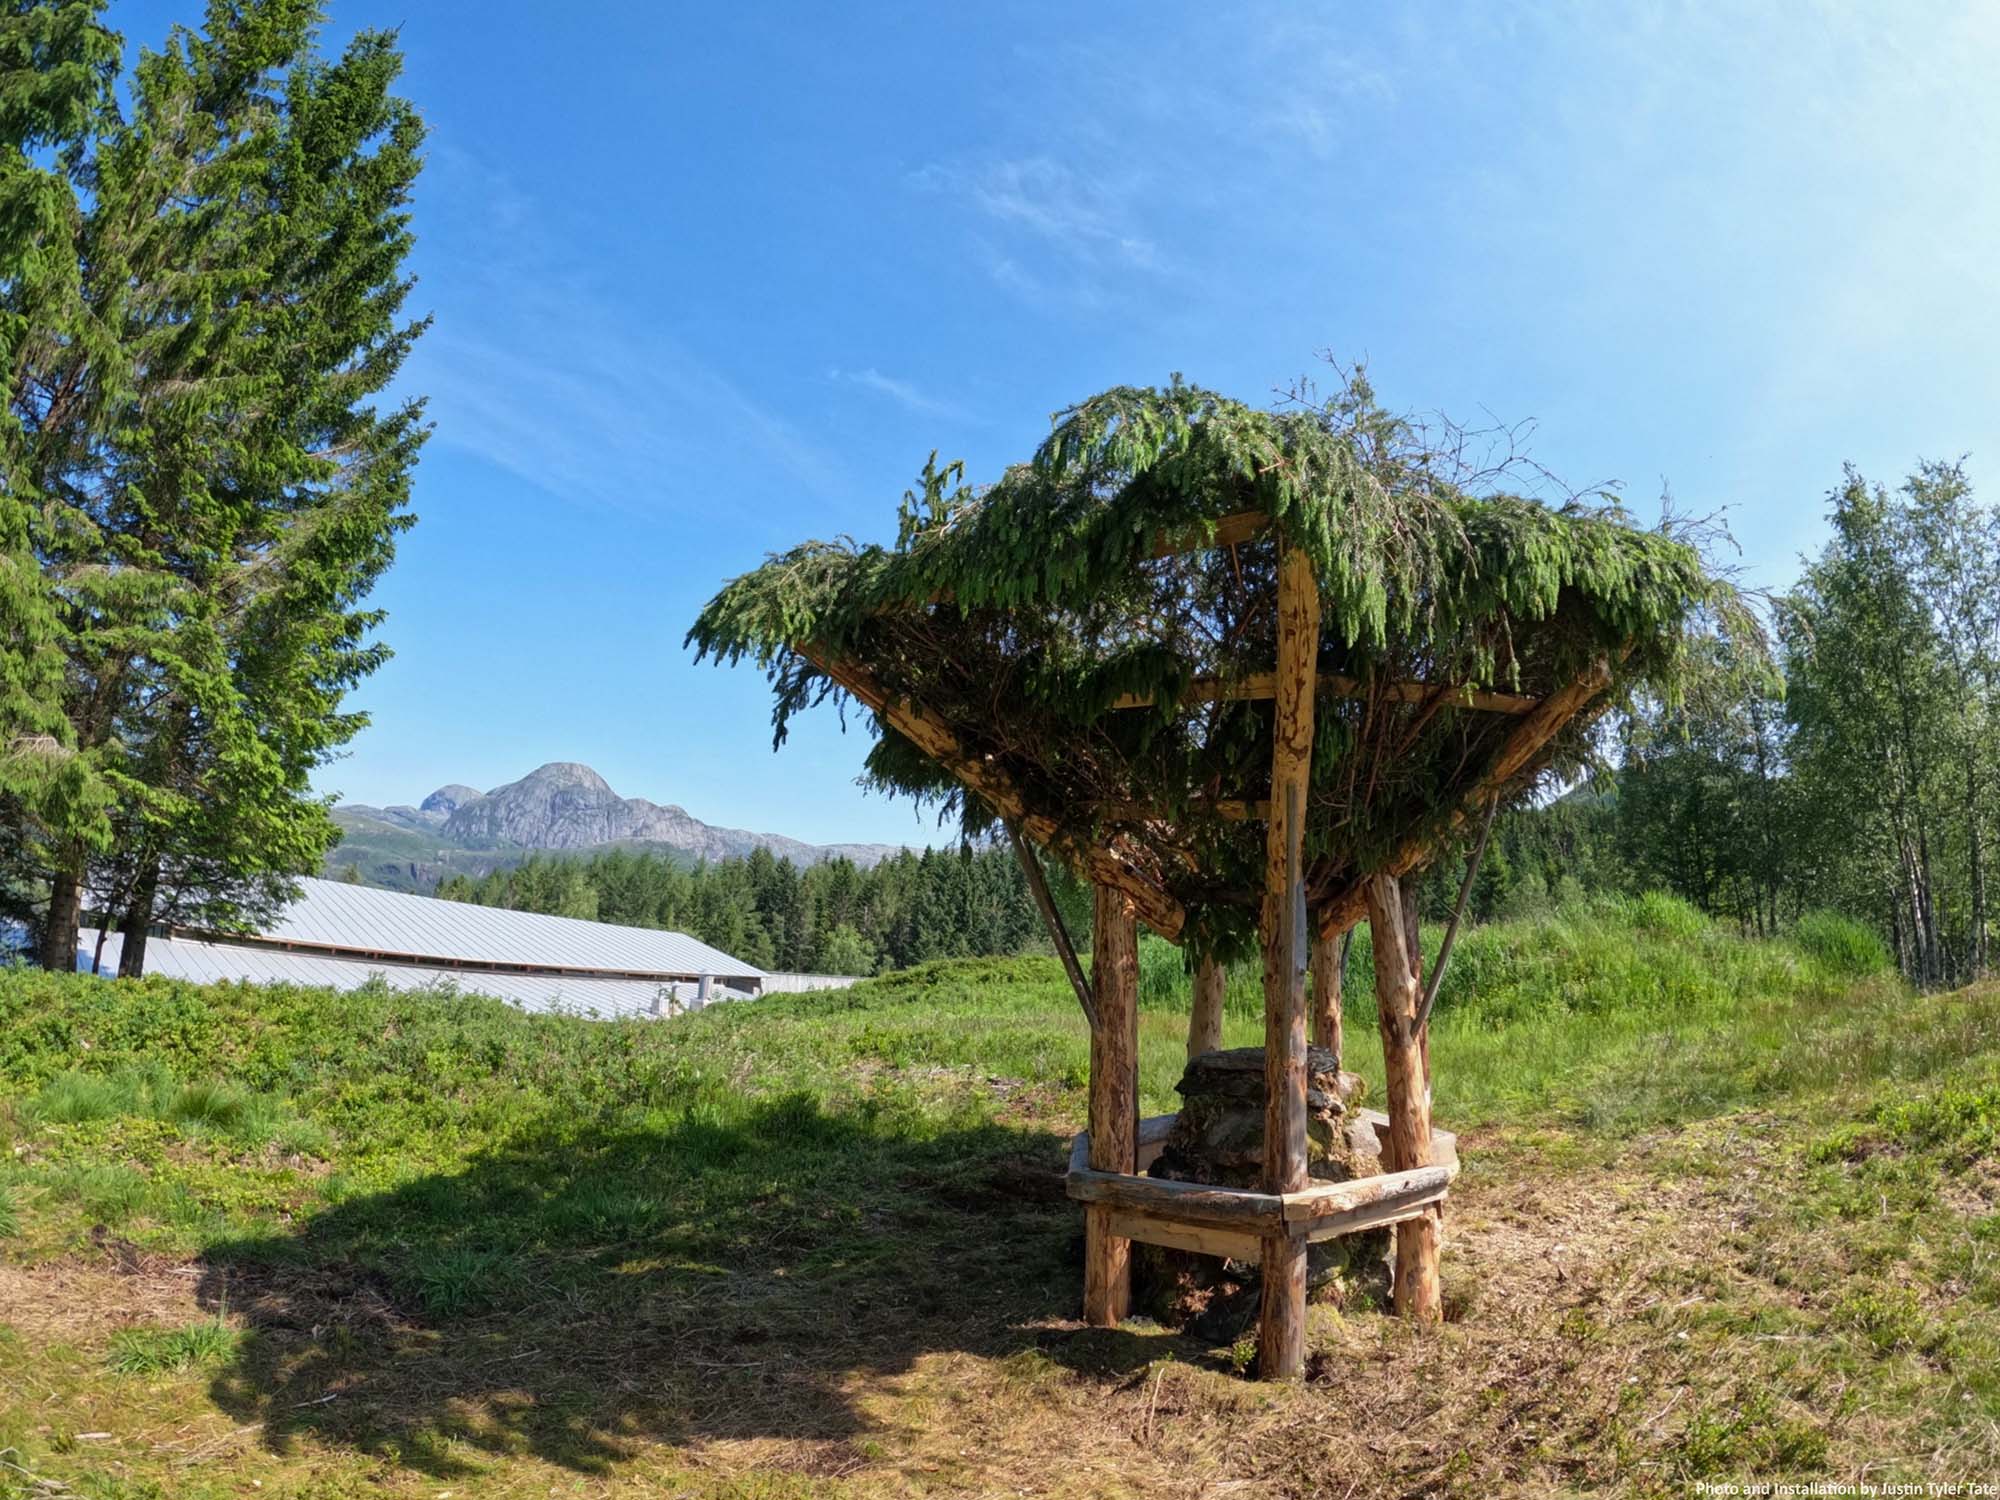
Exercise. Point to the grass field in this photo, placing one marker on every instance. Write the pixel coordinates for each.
(1728, 1214)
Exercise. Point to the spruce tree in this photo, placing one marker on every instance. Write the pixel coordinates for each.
(56, 67)
(218, 491)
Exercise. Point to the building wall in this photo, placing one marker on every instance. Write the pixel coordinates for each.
(799, 984)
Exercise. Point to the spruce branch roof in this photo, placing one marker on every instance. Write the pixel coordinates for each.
(1095, 632)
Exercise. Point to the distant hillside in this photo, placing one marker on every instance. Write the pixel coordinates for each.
(563, 807)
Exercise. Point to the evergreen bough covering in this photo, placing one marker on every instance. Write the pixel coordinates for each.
(1018, 616)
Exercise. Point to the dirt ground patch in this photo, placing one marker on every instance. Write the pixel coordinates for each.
(82, 1302)
(1627, 1324)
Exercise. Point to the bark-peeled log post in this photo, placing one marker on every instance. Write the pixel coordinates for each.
(1281, 1327)
(1114, 1100)
(1327, 952)
(1414, 952)
(1205, 1021)
(1409, 1146)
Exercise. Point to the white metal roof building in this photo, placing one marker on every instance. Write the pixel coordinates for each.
(341, 936)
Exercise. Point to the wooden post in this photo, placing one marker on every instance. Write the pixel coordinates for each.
(1409, 1145)
(1205, 1022)
(1327, 951)
(1281, 1326)
(1414, 950)
(1114, 1100)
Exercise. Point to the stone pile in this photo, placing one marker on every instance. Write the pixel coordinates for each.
(1218, 1138)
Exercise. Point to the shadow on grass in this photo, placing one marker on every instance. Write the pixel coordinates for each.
(587, 1289)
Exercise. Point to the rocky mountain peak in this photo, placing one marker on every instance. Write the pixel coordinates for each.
(558, 775)
(449, 799)
(562, 806)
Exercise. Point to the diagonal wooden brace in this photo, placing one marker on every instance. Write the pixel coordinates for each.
(1155, 906)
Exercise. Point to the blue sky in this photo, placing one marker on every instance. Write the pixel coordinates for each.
(710, 280)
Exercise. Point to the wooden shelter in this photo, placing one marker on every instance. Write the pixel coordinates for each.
(1246, 673)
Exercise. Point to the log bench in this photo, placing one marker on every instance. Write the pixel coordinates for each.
(1235, 1222)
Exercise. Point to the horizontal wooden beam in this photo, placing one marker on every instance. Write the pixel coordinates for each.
(1230, 531)
(1150, 1138)
(1368, 1216)
(1251, 685)
(1190, 1202)
(1231, 809)
(1327, 1200)
(1256, 685)
(983, 775)
(1231, 1221)
(1202, 1239)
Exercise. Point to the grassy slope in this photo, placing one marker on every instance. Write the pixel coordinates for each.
(1728, 1212)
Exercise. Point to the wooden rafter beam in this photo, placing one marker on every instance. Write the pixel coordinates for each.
(1230, 809)
(1256, 685)
(1230, 531)
(1516, 752)
(984, 776)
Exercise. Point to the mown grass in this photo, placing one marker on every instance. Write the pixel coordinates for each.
(155, 1351)
(1727, 1212)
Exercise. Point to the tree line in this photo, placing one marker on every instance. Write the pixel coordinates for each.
(202, 293)
(1858, 776)
(828, 918)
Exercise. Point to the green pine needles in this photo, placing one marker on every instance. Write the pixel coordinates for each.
(202, 292)
(1022, 616)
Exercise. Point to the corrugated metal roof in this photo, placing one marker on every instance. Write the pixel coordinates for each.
(210, 963)
(334, 914)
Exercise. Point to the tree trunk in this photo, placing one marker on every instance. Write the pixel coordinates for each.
(1205, 1017)
(1114, 1100)
(57, 950)
(1417, 1294)
(138, 922)
(1976, 949)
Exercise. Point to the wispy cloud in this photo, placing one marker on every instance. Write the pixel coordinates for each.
(538, 372)
(1129, 159)
(903, 393)
(1085, 225)
(1087, 215)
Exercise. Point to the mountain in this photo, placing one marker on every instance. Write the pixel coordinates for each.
(561, 807)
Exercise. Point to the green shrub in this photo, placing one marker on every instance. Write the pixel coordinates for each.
(1665, 915)
(151, 1092)
(1753, 1437)
(1164, 982)
(1964, 1122)
(214, 1104)
(1840, 945)
(10, 1213)
(1891, 1320)
(1528, 900)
